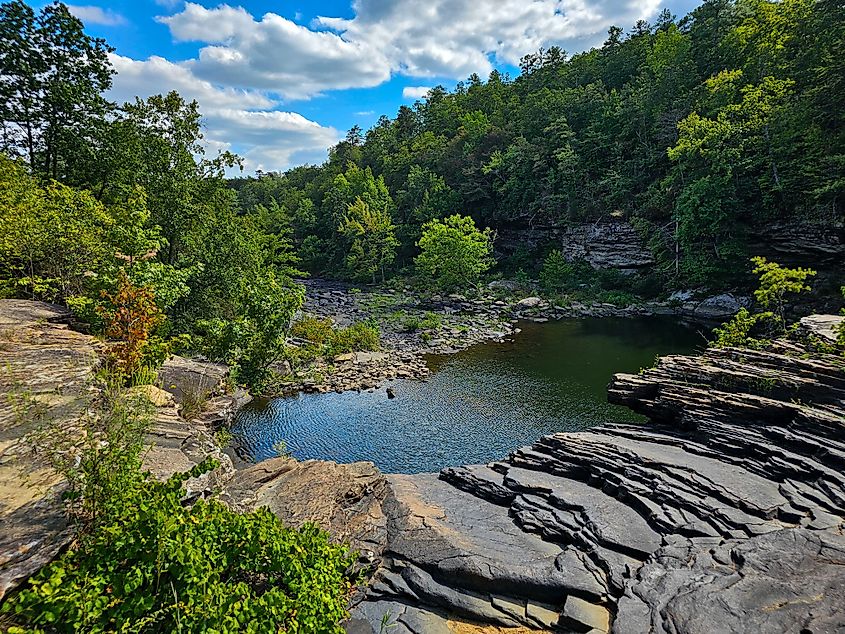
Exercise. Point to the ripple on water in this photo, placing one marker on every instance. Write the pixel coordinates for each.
(477, 406)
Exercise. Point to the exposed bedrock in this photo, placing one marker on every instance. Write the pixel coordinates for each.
(724, 514)
(47, 387)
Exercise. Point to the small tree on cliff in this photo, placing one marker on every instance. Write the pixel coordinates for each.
(454, 252)
(775, 283)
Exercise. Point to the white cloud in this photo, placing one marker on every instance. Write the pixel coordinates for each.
(274, 53)
(415, 92)
(90, 14)
(243, 121)
(437, 38)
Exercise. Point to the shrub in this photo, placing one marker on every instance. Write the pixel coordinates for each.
(313, 330)
(556, 274)
(157, 566)
(130, 316)
(256, 339)
(145, 561)
(431, 321)
(736, 333)
(359, 336)
(775, 282)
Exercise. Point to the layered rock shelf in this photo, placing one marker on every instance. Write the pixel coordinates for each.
(723, 514)
(47, 382)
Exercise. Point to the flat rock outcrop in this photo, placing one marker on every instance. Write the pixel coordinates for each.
(45, 378)
(47, 381)
(724, 513)
(344, 499)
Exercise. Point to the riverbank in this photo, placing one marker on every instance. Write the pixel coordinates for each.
(725, 512)
(414, 326)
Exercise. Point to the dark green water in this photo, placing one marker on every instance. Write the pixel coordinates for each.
(477, 406)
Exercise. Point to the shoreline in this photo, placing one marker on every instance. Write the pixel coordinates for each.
(490, 316)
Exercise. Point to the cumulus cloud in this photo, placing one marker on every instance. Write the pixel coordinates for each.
(415, 92)
(243, 121)
(274, 53)
(90, 14)
(437, 38)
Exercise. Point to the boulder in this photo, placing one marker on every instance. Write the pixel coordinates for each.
(825, 327)
(344, 499)
(181, 376)
(721, 307)
(511, 286)
(530, 302)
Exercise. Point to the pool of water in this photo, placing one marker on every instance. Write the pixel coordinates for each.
(477, 405)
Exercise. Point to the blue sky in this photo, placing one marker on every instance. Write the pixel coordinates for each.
(279, 81)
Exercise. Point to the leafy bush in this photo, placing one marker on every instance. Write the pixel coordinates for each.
(620, 299)
(431, 321)
(736, 333)
(359, 336)
(326, 340)
(130, 316)
(145, 561)
(313, 329)
(557, 274)
(156, 566)
(775, 282)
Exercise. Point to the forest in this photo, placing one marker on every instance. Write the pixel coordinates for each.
(698, 130)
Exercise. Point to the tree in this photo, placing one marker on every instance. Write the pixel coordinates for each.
(454, 253)
(776, 282)
(373, 239)
(556, 273)
(53, 238)
(255, 339)
(52, 76)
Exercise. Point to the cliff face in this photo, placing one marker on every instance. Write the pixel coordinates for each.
(604, 245)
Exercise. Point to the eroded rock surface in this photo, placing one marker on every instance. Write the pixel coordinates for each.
(725, 513)
(46, 382)
(344, 499)
(44, 379)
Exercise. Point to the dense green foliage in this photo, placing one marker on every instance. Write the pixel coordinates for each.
(96, 192)
(145, 561)
(702, 130)
(453, 252)
(322, 339)
(753, 330)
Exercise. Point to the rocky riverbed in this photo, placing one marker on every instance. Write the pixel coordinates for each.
(490, 314)
(725, 513)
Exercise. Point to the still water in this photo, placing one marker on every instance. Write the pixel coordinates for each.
(477, 405)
